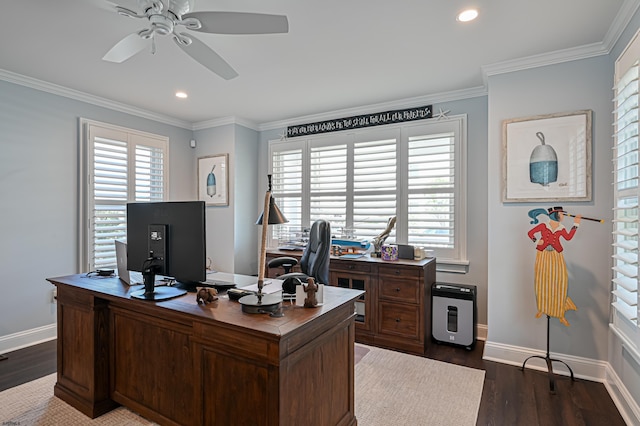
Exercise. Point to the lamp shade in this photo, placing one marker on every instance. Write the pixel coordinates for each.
(275, 215)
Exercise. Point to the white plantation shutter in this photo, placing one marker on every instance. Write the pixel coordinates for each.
(431, 185)
(353, 184)
(286, 171)
(110, 175)
(626, 189)
(358, 180)
(328, 185)
(120, 166)
(149, 171)
(375, 186)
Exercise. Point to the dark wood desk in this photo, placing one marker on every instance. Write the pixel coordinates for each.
(177, 362)
(395, 311)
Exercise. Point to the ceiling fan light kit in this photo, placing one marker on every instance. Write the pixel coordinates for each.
(165, 15)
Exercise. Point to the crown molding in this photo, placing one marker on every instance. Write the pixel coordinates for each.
(55, 89)
(217, 122)
(454, 95)
(544, 59)
(620, 22)
(618, 26)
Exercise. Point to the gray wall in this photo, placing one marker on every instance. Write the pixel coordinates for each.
(249, 201)
(572, 86)
(39, 189)
(39, 192)
(231, 230)
(476, 110)
(220, 235)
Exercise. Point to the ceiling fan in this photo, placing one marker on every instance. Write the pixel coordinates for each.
(166, 16)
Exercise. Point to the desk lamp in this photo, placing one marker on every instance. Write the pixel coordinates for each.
(265, 303)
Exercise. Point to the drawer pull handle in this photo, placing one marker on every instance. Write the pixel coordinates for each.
(397, 272)
(397, 319)
(398, 289)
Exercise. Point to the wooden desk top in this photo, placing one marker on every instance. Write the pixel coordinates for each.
(365, 258)
(223, 311)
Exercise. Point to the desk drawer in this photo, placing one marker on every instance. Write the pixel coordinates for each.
(399, 319)
(400, 290)
(349, 266)
(402, 271)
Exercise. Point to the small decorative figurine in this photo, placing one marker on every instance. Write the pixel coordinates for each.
(380, 239)
(311, 288)
(206, 295)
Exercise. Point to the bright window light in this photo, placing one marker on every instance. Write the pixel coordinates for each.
(181, 95)
(468, 15)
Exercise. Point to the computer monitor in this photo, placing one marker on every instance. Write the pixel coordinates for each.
(167, 238)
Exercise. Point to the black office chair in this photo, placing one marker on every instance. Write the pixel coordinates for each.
(314, 261)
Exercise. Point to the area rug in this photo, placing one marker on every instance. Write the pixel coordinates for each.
(391, 388)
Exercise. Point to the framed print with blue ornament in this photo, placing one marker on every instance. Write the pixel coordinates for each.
(213, 179)
(547, 158)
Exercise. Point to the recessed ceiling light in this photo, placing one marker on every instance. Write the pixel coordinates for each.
(181, 95)
(467, 15)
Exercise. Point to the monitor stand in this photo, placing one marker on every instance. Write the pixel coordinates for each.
(189, 286)
(151, 292)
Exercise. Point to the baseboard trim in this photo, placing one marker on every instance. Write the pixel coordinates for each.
(627, 406)
(481, 332)
(23, 339)
(583, 368)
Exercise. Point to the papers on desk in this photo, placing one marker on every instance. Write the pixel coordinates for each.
(224, 279)
(351, 256)
(291, 248)
(268, 288)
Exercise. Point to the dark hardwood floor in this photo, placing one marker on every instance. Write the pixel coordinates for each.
(509, 397)
(28, 364)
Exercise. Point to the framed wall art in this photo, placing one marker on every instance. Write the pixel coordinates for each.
(547, 158)
(213, 180)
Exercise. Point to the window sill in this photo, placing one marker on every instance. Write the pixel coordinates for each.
(452, 266)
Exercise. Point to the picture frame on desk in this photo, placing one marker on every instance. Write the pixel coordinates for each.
(213, 179)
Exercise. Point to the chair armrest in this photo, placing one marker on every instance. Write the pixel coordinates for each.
(291, 280)
(284, 261)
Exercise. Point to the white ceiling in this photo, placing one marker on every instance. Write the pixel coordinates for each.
(338, 54)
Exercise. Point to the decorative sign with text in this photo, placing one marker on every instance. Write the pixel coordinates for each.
(360, 121)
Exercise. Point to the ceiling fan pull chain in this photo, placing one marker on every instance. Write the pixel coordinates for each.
(153, 44)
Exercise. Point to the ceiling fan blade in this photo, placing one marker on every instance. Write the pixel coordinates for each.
(129, 4)
(125, 48)
(111, 4)
(104, 5)
(240, 23)
(207, 57)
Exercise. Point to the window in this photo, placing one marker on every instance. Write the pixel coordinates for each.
(626, 196)
(118, 166)
(358, 180)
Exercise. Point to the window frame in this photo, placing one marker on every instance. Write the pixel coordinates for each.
(628, 330)
(456, 259)
(86, 201)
